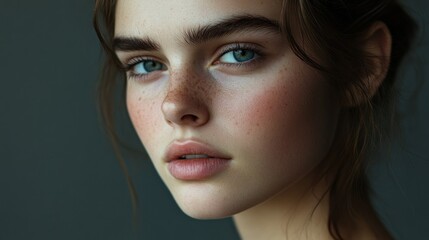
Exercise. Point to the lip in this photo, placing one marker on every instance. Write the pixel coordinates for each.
(198, 168)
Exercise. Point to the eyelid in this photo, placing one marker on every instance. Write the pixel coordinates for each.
(257, 48)
(238, 46)
(130, 63)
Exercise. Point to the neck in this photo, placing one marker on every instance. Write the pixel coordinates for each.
(300, 212)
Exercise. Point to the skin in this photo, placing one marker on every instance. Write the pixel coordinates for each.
(274, 116)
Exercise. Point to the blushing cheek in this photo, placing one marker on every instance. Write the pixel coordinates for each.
(141, 112)
(284, 119)
(263, 110)
(263, 105)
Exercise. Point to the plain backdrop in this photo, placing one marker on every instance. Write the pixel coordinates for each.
(58, 175)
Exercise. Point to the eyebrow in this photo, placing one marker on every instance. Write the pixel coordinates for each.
(234, 24)
(200, 34)
(134, 43)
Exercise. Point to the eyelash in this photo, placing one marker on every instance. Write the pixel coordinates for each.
(232, 47)
(241, 46)
(132, 63)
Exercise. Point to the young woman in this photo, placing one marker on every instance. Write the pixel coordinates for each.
(261, 110)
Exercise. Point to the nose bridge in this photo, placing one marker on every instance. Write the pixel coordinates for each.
(187, 84)
(188, 98)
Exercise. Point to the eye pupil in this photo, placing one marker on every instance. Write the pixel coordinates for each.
(243, 55)
(151, 66)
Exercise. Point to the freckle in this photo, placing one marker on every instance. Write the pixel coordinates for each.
(140, 98)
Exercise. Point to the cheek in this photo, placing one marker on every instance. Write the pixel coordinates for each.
(274, 108)
(289, 124)
(142, 112)
(264, 110)
(270, 124)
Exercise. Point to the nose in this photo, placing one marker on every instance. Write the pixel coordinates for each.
(186, 102)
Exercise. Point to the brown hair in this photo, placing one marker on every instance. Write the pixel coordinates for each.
(334, 29)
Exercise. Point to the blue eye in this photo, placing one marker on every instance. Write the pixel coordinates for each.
(146, 66)
(238, 56)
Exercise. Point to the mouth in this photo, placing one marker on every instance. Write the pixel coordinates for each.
(194, 156)
(192, 160)
(190, 149)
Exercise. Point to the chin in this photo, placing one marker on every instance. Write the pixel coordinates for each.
(205, 210)
(205, 214)
(206, 202)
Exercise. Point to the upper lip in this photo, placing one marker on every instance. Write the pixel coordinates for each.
(177, 149)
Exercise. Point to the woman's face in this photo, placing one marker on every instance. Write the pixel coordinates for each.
(228, 114)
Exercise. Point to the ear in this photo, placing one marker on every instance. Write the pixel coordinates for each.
(377, 46)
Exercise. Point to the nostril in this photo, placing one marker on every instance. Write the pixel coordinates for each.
(190, 118)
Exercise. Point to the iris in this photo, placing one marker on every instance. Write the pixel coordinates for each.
(147, 66)
(238, 56)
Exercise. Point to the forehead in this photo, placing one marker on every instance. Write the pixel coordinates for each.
(163, 17)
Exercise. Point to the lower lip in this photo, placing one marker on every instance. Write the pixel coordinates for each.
(197, 169)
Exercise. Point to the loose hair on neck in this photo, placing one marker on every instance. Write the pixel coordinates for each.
(333, 32)
(335, 29)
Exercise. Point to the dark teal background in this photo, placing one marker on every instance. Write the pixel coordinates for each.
(58, 175)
